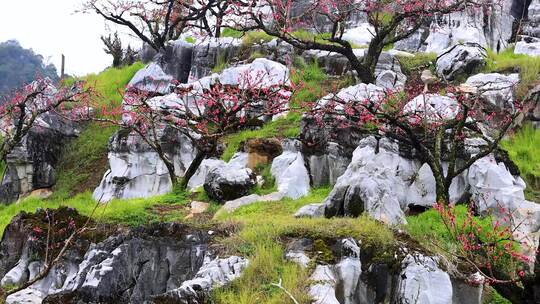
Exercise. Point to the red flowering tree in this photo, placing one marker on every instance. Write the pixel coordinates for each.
(391, 21)
(455, 130)
(156, 21)
(22, 111)
(204, 113)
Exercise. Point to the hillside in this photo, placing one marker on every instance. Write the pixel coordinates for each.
(318, 177)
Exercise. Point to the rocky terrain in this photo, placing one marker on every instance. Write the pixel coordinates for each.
(295, 208)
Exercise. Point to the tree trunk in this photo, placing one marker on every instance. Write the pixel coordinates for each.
(371, 58)
(441, 190)
(195, 164)
(363, 73)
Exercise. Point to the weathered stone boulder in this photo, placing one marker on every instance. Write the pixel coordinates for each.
(490, 27)
(290, 172)
(136, 170)
(106, 266)
(213, 273)
(226, 183)
(152, 79)
(262, 151)
(32, 164)
(495, 88)
(208, 53)
(461, 59)
(422, 281)
(327, 147)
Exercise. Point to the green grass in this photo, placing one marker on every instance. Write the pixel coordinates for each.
(506, 61)
(191, 40)
(523, 148)
(255, 37)
(229, 32)
(309, 78)
(284, 127)
(85, 158)
(430, 231)
(265, 225)
(221, 64)
(419, 62)
(133, 212)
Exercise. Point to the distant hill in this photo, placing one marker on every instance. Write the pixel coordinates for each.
(19, 66)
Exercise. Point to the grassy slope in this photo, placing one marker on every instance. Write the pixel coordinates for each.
(132, 212)
(528, 68)
(523, 148)
(265, 226)
(85, 159)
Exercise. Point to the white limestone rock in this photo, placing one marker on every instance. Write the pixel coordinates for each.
(290, 172)
(495, 88)
(460, 59)
(422, 281)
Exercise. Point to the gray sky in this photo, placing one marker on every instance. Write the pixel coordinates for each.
(50, 28)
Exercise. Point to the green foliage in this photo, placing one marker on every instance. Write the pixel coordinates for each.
(255, 37)
(506, 61)
(264, 225)
(523, 148)
(255, 55)
(221, 64)
(284, 127)
(309, 78)
(110, 84)
(428, 227)
(419, 61)
(491, 296)
(19, 66)
(432, 232)
(133, 212)
(191, 40)
(85, 158)
(269, 184)
(229, 32)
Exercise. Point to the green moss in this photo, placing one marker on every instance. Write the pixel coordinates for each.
(255, 55)
(523, 148)
(221, 64)
(323, 253)
(419, 61)
(269, 184)
(506, 61)
(265, 225)
(229, 32)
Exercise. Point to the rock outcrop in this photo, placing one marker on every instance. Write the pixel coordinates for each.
(136, 169)
(167, 261)
(228, 183)
(460, 59)
(32, 164)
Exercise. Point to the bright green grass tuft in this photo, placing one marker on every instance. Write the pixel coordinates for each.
(506, 61)
(419, 62)
(254, 37)
(428, 227)
(229, 32)
(84, 158)
(523, 148)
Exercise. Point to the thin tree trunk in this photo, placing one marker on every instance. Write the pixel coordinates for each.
(195, 164)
